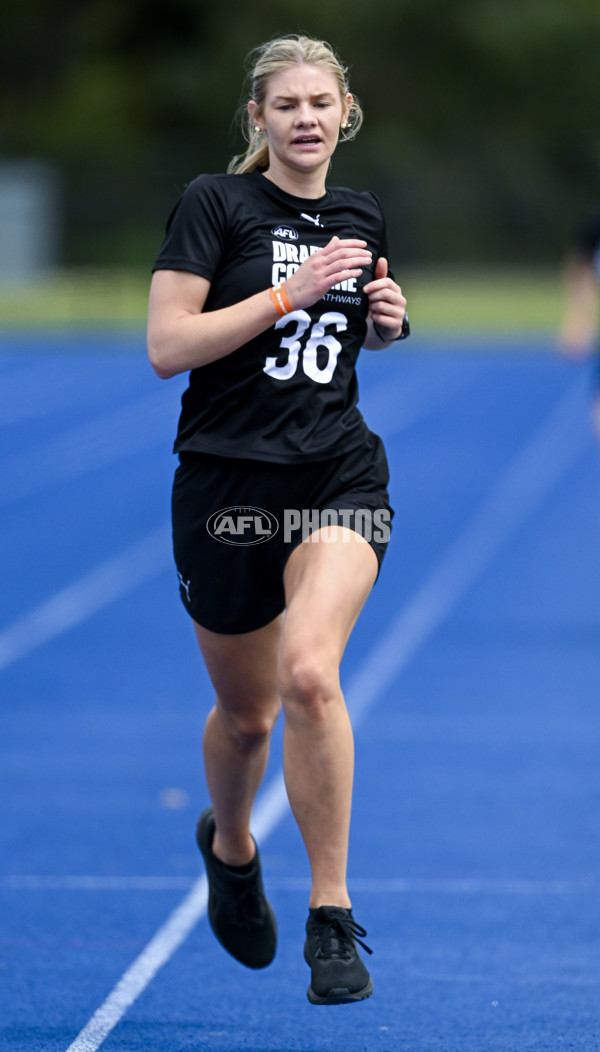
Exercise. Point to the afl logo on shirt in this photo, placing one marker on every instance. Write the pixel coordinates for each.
(287, 233)
(243, 526)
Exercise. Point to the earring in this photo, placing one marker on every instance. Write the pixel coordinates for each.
(256, 128)
(345, 125)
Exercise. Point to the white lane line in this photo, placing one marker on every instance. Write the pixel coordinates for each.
(158, 951)
(170, 936)
(92, 882)
(447, 886)
(398, 401)
(552, 450)
(365, 885)
(109, 581)
(94, 444)
(548, 455)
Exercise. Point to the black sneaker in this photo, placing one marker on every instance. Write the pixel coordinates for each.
(338, 975)
(238, 911)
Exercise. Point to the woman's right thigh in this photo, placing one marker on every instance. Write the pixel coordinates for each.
(243, 671)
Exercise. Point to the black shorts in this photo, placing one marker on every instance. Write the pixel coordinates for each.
(236, 522)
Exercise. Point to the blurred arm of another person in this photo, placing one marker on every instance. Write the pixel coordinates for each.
(579, 326)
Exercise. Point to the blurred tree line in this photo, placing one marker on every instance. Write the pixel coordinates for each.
(482, 129)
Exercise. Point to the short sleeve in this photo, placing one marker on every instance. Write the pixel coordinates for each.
(382, 246)
(196, 232)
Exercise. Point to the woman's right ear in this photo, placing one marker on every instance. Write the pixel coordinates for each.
(253, 114)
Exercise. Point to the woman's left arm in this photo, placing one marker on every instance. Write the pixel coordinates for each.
(387, 307)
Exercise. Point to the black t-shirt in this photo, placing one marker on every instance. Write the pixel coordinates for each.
(587, 241)
(291, 393)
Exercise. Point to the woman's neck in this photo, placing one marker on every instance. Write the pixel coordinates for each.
(310, 185)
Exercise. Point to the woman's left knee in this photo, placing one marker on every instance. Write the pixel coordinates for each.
(308, 683)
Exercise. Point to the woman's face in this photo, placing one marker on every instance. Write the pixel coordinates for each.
(302, 115)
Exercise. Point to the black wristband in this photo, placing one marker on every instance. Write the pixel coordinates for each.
(404, 331)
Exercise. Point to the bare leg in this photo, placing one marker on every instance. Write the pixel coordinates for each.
(243, 669)
(327, 582)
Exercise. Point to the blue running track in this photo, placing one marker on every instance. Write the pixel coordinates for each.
(473, 678)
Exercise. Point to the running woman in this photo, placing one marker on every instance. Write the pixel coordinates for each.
(579, 333)
(266, 287)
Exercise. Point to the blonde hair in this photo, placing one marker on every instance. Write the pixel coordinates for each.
(274, 57)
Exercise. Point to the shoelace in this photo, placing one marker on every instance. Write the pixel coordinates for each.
(335, 935)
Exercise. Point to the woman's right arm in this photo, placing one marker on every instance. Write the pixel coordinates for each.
(182, 336)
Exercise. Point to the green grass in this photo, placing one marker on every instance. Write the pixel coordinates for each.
(503, 302)
(111, 297)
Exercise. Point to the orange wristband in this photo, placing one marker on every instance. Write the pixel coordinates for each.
(280, 300)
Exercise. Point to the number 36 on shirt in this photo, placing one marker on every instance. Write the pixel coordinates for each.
(317, 337)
